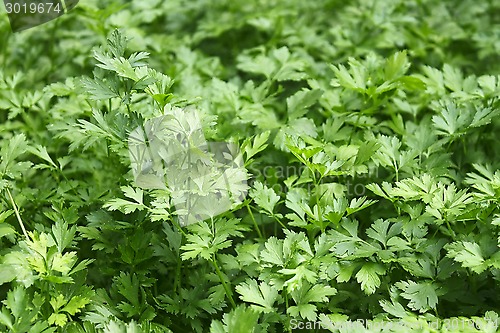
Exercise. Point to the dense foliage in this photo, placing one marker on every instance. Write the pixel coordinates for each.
(368, 129)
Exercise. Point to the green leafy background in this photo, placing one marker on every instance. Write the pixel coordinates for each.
(368, 129)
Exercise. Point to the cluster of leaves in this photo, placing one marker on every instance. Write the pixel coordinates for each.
(367, 129)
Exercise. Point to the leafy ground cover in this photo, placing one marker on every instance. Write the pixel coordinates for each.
(368, 130)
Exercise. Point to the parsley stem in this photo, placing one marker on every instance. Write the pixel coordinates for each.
(280, 223)
(224, 284)
(288, 328)
(254, 222)
(16, 211)
(317, 197)
(179, 228)
(177, 281)
(450, 229)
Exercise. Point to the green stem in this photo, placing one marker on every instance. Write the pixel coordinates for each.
(320, 214)
(4, 54)
(73, 188)
(177, 281)
(254, 222)
(224, 284)
(450, 229)
(356, 125)
(53, 34)
(287, 324)
(18, 216)
(279, 222)
(179, 228)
